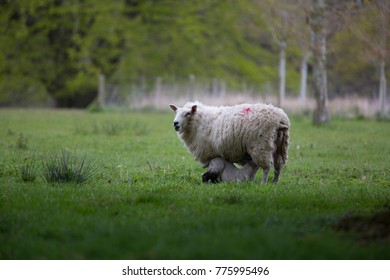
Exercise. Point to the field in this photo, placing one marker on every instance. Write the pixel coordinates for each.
(145, 198)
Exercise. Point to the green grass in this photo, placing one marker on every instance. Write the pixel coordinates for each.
(146, 199)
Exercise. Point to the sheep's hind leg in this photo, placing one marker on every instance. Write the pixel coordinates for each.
(265, 175)
(277, 174)
(262, 156)
(278, 164)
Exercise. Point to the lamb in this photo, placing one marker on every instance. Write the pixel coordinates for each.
(239, 133)
(225, 171)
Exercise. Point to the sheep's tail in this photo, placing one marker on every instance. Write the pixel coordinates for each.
(282, 143)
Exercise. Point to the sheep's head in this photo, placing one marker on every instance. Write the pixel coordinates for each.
(182, 117)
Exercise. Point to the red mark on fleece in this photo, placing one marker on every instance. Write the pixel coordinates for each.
(246, 111)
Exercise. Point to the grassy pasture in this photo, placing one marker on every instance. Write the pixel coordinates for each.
(146, 200)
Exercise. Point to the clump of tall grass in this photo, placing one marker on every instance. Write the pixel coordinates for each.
(66, 167)
(139, 129)
(28, 170)
(110, 127)
(22, 142)
(113, 128)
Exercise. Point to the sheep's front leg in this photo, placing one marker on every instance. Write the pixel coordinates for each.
(265, 175)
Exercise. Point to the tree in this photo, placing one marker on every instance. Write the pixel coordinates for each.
(60, 45)
(373, 29)
(287, 23)
(20, 53)
(301, 38)
(320, 89)
(277, 17)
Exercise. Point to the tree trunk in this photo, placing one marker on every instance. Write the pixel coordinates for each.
(282, 73)
(382, 88)
(320, 88)
(302, 91)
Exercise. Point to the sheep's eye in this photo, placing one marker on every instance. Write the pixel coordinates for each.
(188, 114)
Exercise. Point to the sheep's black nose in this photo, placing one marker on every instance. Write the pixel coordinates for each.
(176, 126)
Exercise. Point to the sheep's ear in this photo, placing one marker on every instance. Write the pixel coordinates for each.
(173, 107)
(193, 109)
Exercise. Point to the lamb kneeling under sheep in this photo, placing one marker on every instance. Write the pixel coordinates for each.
(220, 170)
(238, 134)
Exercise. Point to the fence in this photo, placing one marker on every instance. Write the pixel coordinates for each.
(157, 95)
(151, 93)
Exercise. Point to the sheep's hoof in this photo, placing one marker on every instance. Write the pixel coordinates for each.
(210, 177)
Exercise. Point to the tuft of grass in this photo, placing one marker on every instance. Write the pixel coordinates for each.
(114, 128)
(139, 128)
(22, 142)
(29, 169)
(10, 132)
(109, 127)
(66, 167)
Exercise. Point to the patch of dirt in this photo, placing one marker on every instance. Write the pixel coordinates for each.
(366, 228)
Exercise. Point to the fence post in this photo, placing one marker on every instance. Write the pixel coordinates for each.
(244, 88)
(214, 87)
(191, 87)
(268, 89)
(158, 89)
(222, 89)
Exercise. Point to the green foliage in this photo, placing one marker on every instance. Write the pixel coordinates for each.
(21, 90)
(350, 68)
(358, 49)
(146, 200)
(60, 47)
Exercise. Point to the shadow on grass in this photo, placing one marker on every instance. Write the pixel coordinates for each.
(366, 229)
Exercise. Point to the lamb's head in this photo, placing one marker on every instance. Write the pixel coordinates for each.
(182, 117)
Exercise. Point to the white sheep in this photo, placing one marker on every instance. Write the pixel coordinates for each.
(220, 169)
(239, 133)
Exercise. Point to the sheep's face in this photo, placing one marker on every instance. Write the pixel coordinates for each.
(182, 117)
